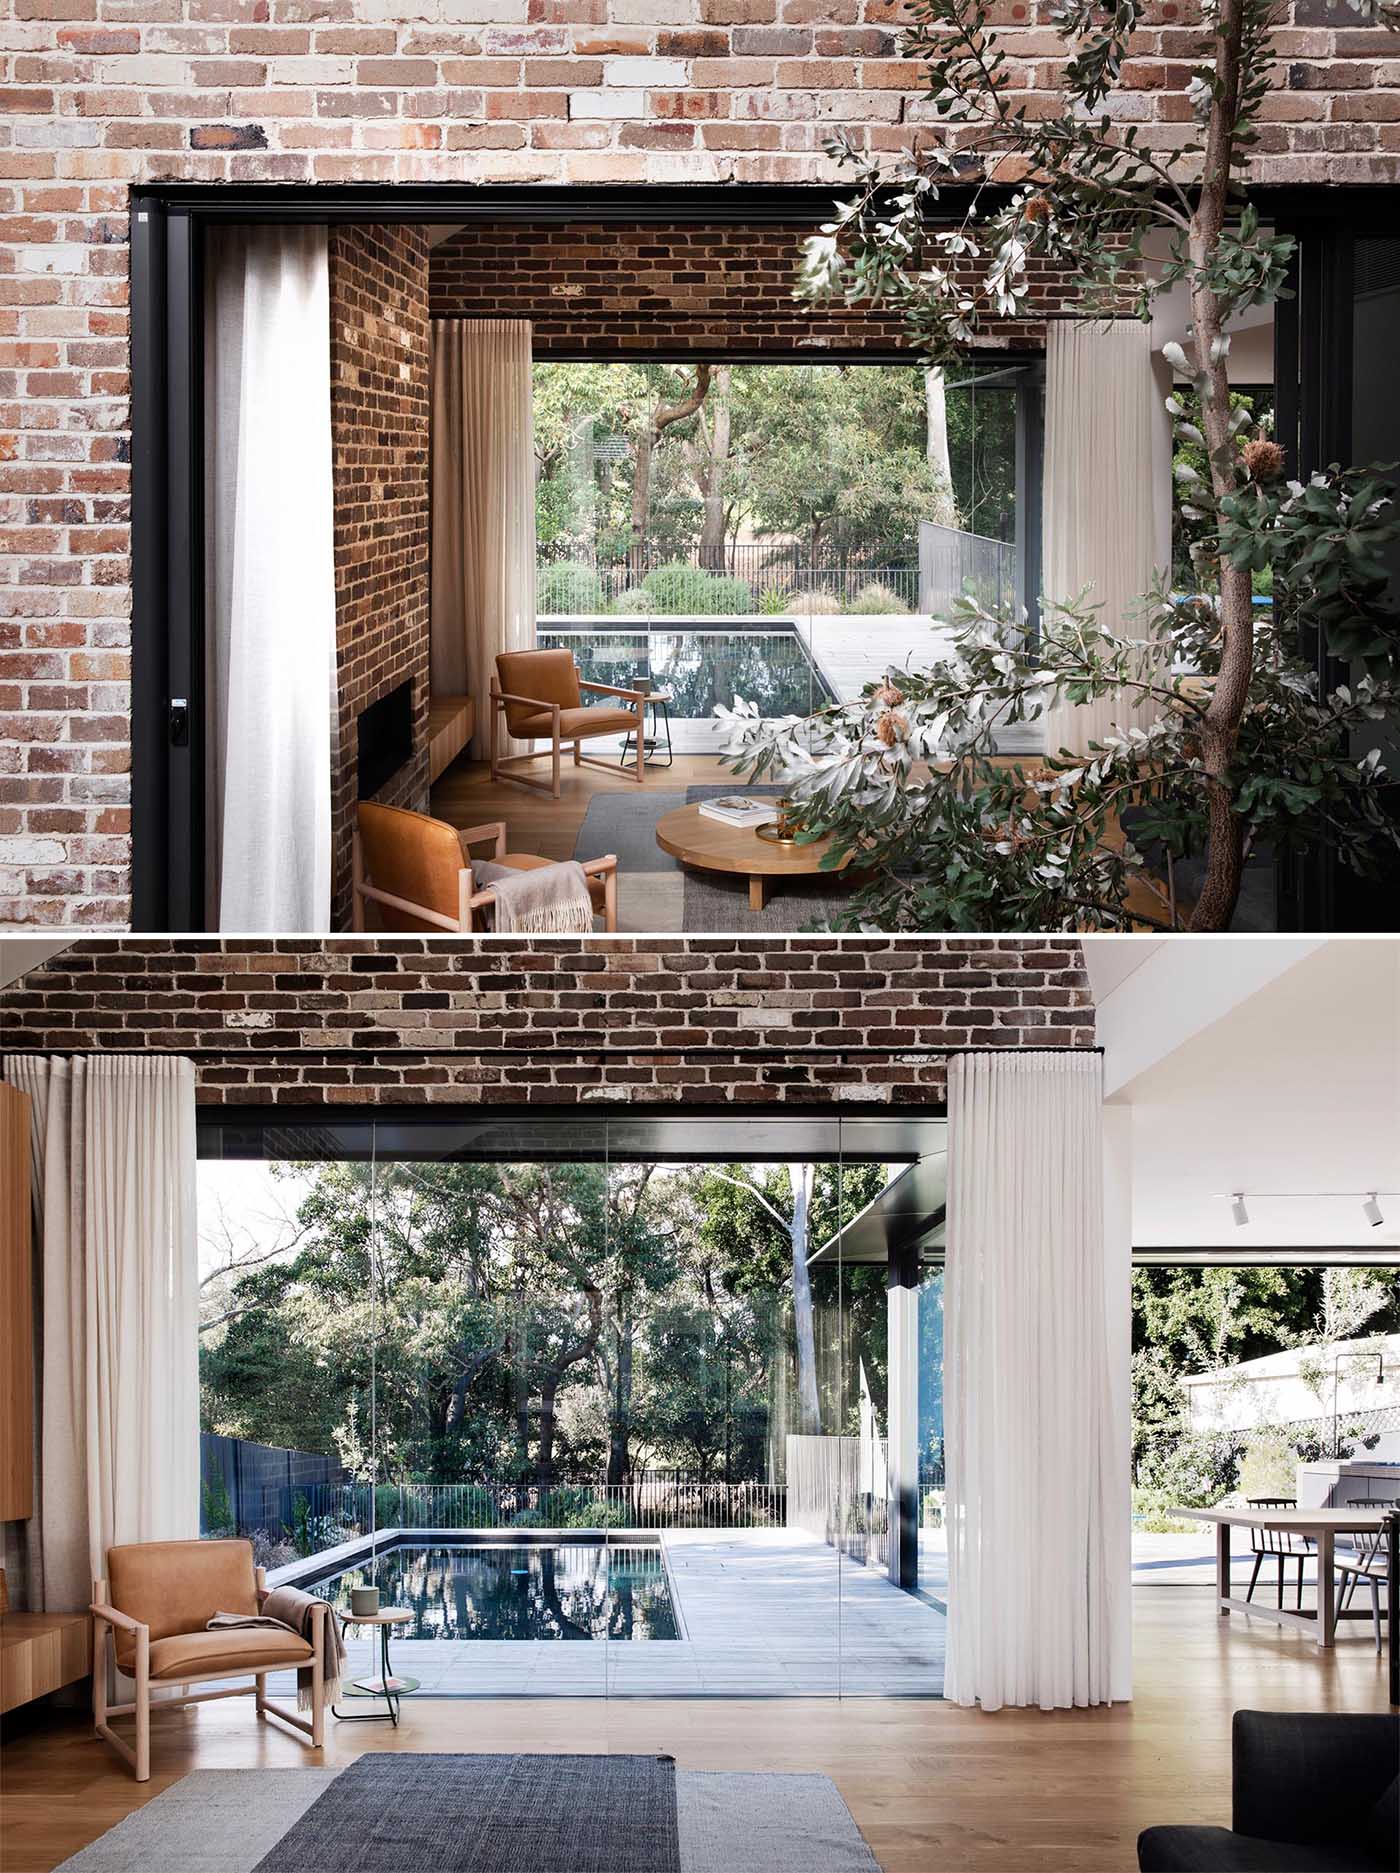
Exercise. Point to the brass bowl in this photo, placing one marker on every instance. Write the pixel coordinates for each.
(784, 829)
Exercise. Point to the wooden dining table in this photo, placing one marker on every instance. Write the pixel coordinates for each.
(1321, 1526)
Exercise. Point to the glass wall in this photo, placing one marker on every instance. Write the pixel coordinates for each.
(611, 1405)
(782, 533)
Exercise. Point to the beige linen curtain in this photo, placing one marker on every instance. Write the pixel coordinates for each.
(1037, 1437)
(114, 1197)
(270, 570)
(1107, 503)
(483, 506)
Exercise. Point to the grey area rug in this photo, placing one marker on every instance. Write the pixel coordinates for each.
(408, 1813)
(228, 1820)
(713, 902)
(716, 902)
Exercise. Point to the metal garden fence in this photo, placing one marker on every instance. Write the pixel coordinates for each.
(317, 1515)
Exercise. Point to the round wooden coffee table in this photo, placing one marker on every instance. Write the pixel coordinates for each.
(709, 845)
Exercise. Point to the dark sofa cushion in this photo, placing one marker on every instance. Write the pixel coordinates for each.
(1217, 1850)
(1383, 1828)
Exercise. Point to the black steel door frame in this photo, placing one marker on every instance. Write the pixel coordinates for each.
(168, 729)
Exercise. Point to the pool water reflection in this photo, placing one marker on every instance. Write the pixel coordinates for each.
(539, 1590)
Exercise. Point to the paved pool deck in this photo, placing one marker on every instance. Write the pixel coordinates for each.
(765, 1613)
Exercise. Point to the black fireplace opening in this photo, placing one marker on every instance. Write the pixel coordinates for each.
(385, 739)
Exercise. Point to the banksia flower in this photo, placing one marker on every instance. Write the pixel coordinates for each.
(1037, 209)
(890, 728)
(1263, 460)
(889, 696)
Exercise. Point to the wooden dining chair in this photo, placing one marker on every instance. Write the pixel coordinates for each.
(1277, 1544)
(1367, 1561)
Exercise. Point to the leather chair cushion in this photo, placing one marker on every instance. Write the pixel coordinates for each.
(177, 1586)
(411, 856)
(576, 724)
(542, 676)
(528, 861)
(259, 1648)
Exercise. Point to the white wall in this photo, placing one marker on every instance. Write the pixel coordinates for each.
(1267, 1065)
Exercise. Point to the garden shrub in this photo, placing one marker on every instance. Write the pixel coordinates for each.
(567, 588)
(816, 604)
(677, 589)
(636, 599)
(729, 597)
(874, 600)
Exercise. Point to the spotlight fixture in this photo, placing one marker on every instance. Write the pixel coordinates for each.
(1371, 1210)
(1238, 1210)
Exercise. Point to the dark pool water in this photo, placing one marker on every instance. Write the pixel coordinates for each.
(539, 1590)
(702, 667)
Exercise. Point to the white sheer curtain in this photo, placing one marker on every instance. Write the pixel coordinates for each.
(271, 579)
(114, 1192)
(1037, 1483)
(483, 506)
(1107, 500)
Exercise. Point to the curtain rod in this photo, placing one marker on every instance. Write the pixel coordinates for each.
(619, 1052)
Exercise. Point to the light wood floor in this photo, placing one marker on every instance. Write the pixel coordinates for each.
(932, 1787)
(465, 796)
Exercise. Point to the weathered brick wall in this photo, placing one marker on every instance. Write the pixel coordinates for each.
(638, 289)
(352, 1021)
(379, 441)
(98, 94)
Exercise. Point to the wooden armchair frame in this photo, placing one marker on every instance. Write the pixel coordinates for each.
(470, 901)
(502, 764)
(106, 1619)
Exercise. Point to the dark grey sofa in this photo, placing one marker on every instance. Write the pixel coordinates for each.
(1312, 1794)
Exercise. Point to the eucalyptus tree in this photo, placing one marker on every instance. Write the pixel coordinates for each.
(1082, 188)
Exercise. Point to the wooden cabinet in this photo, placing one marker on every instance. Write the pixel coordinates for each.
(16, 1312)
(41, 1651)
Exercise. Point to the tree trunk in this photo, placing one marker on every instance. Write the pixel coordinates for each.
(1215, 908)
(619, 1430)
(651, 433)
(549, 1392)
(713, 530)
(809, 1420)
(936, 445)
(641, 502)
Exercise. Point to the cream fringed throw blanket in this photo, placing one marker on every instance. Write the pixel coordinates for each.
(289, 1609)
(548, 901)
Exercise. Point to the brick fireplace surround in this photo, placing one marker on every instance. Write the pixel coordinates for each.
(98, 95)
(688, 1022)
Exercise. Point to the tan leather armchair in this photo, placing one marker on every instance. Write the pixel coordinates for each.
(154, 1607)
(540, 695)
(418, 871)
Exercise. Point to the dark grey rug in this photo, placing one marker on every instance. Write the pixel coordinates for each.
(407, 1813)
(716, 902)
(226, 1820)
(625, 824)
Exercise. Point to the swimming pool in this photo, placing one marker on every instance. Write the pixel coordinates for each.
(702, 665)
(535, 1590)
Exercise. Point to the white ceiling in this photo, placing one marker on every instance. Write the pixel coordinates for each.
(18, 955)
(1295, 1089)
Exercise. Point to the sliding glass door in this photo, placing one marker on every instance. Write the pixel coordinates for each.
(608, 1406)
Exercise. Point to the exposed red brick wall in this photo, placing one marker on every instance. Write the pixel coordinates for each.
(99, 94)
(592, 285)
(352, 1021)
(379, 440)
